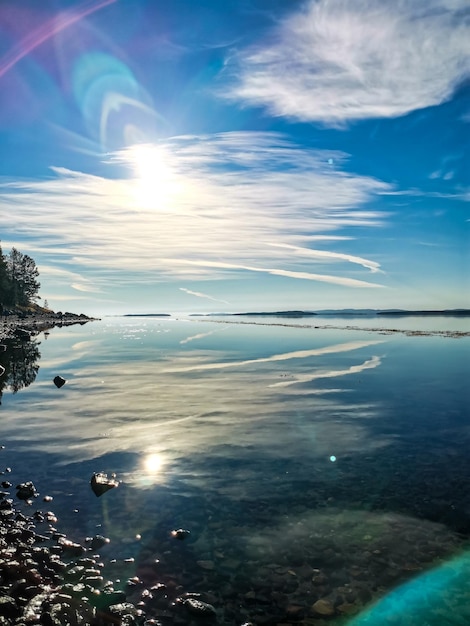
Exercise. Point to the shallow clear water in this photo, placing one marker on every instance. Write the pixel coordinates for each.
(309, 464)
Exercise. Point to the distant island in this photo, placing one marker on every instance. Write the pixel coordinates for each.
(344, 313)
(147, 315)
(279, 314)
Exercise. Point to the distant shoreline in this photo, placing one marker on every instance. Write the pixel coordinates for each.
(296, 314)
(455, 334)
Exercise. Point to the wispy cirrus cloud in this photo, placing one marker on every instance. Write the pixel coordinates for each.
(327, 254)
(199, 294)
(324, 278)
(336, 61)
(199, 208)
(85, 287)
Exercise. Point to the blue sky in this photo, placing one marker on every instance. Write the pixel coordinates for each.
(238, 155)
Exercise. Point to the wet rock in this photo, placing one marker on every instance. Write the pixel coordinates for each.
(200, 609)
(8, 607)
(126, 611)
(348, 608)
(26, 491)
(323, 607)
(2, 370)
(97, 542)
(100, 483)
(59, 381)
(180, 534)
(69, 547)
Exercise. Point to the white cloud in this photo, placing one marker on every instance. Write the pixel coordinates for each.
(223, 204)
(324, 278)
(85, 287)
(340, 60)
(326, 254)
(199, 294)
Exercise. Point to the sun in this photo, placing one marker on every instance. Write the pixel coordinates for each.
(153, 463)
(155, 182)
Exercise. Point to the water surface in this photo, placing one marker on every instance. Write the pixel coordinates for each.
(308, 463)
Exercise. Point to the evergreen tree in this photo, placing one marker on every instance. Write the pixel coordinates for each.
(22, 273)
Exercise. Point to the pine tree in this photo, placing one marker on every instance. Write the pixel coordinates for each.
(22, 273)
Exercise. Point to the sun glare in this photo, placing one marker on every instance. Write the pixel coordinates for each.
(153, 463)
(155, 183)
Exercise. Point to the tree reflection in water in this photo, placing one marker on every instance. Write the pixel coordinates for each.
(20, 361)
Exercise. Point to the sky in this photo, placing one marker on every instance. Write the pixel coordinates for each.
(244, 155)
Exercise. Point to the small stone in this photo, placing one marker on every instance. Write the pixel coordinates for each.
(26, 490)
(199, 608)
(180, 534)
(59, 381)
(323, 607)
(100, 483)
(97, 542)
(70, 548)
(8, 606)
(348, 609)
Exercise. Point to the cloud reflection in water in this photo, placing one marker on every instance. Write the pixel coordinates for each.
(175, 404)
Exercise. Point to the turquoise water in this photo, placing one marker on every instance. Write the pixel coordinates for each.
(309, 464)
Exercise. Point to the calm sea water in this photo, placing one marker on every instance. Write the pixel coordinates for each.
(308, 463)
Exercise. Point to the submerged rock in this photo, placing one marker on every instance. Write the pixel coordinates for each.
(180, 534)
(100, 483)
(97, 542)
(323, 607)
(59, 381)
(198, 608)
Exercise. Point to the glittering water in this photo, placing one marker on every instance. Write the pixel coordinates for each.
(309, 464)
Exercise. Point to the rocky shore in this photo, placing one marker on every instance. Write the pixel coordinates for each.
(49, 580)
(26, 325)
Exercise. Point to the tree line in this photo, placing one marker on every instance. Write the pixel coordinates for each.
(18, 279)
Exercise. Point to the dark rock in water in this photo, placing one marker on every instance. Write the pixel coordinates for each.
(26, 490)
(180, 534)
(323, 607)
(69, 547)
(200, 609)
(59, 381)
(97, 542)
(8, 607)
(100, 483)
(124, 610)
